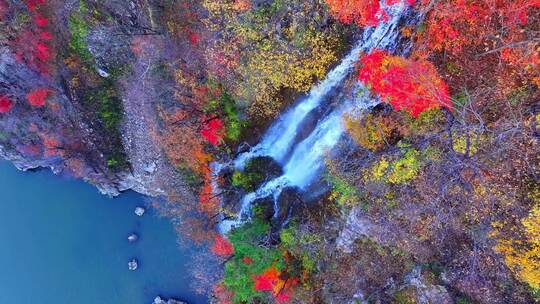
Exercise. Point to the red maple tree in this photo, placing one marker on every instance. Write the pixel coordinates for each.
(362, 12)
(410, 85)
(37, 97)
(271, 280)
(213, 130)
(5, 104)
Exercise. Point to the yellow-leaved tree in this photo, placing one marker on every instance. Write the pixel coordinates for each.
(274, 50)
(522, 256)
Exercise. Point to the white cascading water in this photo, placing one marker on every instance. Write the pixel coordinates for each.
(303, 162)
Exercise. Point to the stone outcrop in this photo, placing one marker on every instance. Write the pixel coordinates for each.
(160, 300)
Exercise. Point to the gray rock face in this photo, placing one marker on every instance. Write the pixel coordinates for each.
(67, 116)
(427, 293)
(359, 225)
(288, 201)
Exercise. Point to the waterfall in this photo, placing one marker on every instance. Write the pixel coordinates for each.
(303, 161)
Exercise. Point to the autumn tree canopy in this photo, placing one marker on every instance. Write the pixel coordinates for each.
(362, 12)
(406, 84)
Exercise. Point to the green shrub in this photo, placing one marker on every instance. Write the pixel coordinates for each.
(244, 180)
(234, 123)
(462, 300)
(79, 28)
(427, 122)
(116, 160)
(108, 105)
(238, 276)
(342, 191)
(252, 176)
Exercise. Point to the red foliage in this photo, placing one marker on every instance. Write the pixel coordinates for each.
(413, 86)
(271, 281)
(267, 280)
(37, 97)
(40, 20)
(193, 37)
(213, 131)
(491, 38)
(32, 45)
(247, 260)
(222, 246)
(362, 12)
(455, 24)
(34, 4)
(5, 104)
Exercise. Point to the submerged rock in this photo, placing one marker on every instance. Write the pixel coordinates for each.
(139, 211)
(133, 237)
(133, 265)
(160, 300)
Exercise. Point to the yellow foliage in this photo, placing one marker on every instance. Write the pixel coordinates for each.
(522, 256)
(272, 60)
(379, 169)
(374, 132)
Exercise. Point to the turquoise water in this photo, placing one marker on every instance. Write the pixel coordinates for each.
(63, 242)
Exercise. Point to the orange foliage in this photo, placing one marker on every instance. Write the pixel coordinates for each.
(413, 86)
(51, 144)
(208, 201)
(242, 5)
(30, 150)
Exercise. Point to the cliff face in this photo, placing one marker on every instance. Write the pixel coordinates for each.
(96, 117)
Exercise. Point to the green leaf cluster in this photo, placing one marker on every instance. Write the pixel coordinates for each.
(238, 275)
(79, 29)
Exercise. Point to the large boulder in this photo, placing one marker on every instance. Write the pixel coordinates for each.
(288, 202)
(256, 172)
(160, 300)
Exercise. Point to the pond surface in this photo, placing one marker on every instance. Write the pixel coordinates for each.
(63, 242)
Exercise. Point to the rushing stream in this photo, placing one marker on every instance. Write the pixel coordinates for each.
(302, 158)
